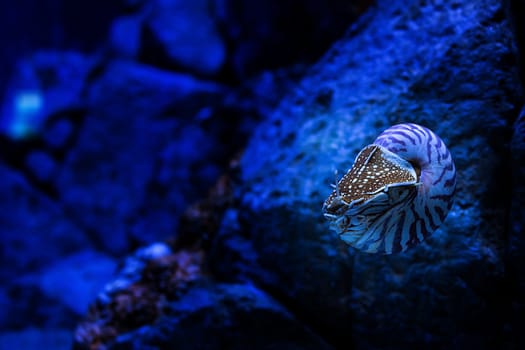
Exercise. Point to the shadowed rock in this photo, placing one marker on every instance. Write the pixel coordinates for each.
(449, 66)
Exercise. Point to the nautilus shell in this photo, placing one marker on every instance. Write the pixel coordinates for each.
(396, 194)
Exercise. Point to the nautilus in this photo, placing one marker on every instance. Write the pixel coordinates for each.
(397, 193)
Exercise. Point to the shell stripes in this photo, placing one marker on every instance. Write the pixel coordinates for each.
(420, 214)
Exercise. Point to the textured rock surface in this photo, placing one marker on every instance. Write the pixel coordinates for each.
(516, 235)
(449, 66)
(163, 297)
(219, 316)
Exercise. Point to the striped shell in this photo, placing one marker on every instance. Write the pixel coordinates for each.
(396, 194)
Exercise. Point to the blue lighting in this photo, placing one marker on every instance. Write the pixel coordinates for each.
(23, 115)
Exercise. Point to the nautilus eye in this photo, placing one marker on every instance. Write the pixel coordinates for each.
(396, 194)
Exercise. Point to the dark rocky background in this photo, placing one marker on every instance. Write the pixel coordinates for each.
(164, 164)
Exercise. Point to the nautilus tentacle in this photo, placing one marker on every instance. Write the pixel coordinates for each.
(396, 194)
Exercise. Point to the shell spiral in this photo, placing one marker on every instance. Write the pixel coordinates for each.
(396, 194)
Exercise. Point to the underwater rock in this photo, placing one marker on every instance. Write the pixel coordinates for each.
(516, 239)
(75, 280)
(129, 175)
(275, 33)
(42, 85)
(56, 294)
(163, 295)
(35, 235)
(450, 66)
(211, 36)
(29, 244)
(216, 316)
(137, 295)
(59, 132)
(26, 306)
(145, 91)
(33, 338)
(183, 34)
(232, 316)
(41, 165)
(125, 36)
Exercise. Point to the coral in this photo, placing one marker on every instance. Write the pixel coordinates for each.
(138, 297)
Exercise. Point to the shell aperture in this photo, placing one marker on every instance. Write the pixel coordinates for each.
(396, 194)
